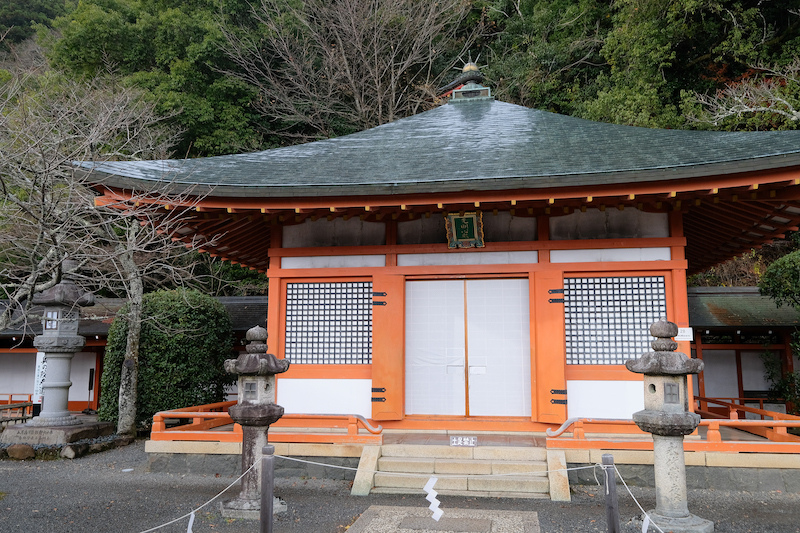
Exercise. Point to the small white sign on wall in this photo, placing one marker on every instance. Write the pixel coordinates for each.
(464, 441)
(38, 379)
(684, 334)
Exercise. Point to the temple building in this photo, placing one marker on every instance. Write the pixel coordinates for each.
(480, 265)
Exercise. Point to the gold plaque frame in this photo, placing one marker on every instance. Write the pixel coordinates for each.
(464, 230)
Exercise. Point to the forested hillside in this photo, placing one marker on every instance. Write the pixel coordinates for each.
(246, 76)
(235, 76)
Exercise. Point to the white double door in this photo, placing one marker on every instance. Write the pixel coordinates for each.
(468, 348)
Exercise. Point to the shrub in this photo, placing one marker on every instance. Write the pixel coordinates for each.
(186, 337)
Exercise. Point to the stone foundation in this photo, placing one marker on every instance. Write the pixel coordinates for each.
(703, 477)
(230, 465)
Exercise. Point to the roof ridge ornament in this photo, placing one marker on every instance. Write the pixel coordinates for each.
(467, 86)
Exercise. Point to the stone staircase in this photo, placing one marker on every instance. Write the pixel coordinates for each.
(482, 471)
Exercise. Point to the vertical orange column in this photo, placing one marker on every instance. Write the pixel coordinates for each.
(275, 293)
(274, 316)
(680, 298)
(388, 348)
(550, 349)
(543, 234)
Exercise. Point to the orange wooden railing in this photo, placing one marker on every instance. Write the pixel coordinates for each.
(701, 405)
(15, 412)
(778, 440)
(7, 398)
(735, 410)
(209, 423)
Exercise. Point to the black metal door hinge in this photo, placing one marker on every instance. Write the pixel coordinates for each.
(556, 300)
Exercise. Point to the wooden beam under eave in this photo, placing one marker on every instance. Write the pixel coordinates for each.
(724, 213)
(705, 230)
(703, 221)
(750, 209)
(714, 240)
(248, 236)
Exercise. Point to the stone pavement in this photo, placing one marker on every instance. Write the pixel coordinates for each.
(114, 491)
(388, 519)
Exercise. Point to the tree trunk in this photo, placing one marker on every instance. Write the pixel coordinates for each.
(129, 378)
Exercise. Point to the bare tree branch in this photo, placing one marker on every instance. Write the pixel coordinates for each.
(765, 95)
(48, 211)
(321, 65)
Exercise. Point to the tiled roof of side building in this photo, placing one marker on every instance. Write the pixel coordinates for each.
(481, 145)
(737, 307)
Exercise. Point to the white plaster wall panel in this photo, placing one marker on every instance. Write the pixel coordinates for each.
(17, 372)
(334, 261)
(753, 380)
(435, 350)
(753, 372)
(336, 232)
(719, 374)
(603, 255)
(423, 230)
(325, 396)
(604, 399)
(79, 376)
(499, 354)
(469, 258)
(609, 224)
(503, 227)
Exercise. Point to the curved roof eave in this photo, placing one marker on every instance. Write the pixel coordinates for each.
(471, 146)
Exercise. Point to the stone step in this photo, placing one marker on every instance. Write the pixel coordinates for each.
(498, 484)
(433, 465)
(491, 453)
(475, 494)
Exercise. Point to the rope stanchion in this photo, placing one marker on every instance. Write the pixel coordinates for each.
(612, 504)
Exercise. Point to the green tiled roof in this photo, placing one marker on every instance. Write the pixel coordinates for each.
(480, 145)
(737, 307)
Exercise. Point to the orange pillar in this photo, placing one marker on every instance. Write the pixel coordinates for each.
(388, 347)
(549, 348)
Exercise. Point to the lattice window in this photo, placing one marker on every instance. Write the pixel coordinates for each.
(607, 320)
(329, 323)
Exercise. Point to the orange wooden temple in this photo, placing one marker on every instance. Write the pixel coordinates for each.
(479, 266)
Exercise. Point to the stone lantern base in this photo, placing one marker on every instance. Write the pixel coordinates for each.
(249, 509)
(37, 431)
(686, 524)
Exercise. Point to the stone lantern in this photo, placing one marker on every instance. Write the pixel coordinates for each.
(255, 411)
(666, 415)
(59, 341)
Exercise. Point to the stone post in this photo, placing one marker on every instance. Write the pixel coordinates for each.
(255, 411)
(666, 415)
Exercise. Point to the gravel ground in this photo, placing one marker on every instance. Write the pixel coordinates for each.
(113, 492)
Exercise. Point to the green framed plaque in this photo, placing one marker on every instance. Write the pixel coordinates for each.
(464, 230)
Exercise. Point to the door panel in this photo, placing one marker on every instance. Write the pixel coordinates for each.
(481, 356)
(498, 347)
(435, 348)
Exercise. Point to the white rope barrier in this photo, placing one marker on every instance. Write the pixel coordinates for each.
(191, 515)
(647, 520)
